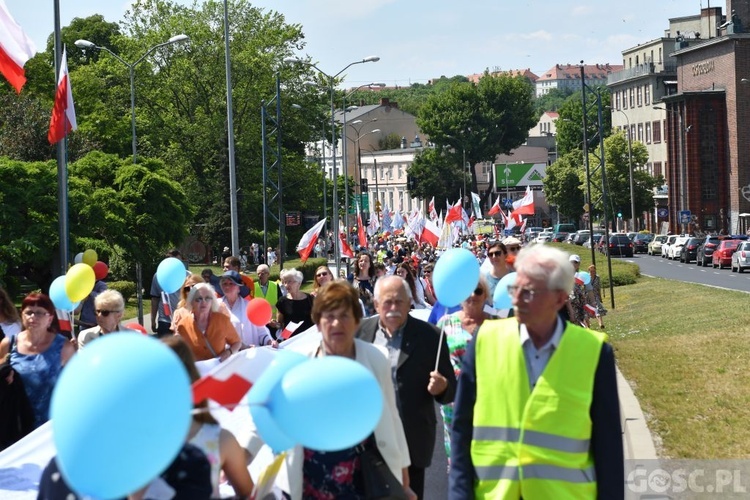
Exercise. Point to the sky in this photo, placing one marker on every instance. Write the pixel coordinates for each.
(419, 40)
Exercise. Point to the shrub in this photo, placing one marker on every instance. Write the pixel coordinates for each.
(126, 288)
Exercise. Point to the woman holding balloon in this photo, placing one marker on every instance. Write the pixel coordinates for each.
(209, 333)
(38, 353)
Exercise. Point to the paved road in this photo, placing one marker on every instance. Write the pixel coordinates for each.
(691, 273)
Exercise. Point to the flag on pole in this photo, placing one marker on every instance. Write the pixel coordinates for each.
(430, 233)
(361, 235)
(63, 118)
(431, 209)
(15, 49)
(496, 207)
(476, 205)
(386, 222)
(455, 213)
(373, 226)
(525, 206)
(346, 250)
(289, 329)
(307, 243)
(63, 317)
(523, 225)
(398, 220)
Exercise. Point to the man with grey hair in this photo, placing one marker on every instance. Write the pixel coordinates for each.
(268, 290)
(413, 347)
(537, 413)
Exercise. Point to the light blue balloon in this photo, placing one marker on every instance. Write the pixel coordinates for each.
(260, 395)
(171, 274)
(501, 299)
(586, 277)
(455, 276)
(121, 411)
(328, 404)
(59, 296)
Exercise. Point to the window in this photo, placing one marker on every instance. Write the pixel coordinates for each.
(400, 172)
(639, 98)
(631, 98)
(648, 132)
(625, 99)
(617, 100)
(632, 133)
(656, 134)
(647, 94)
(657, 169)
(640, 132)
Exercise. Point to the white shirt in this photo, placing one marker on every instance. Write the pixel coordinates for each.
(249, 333)
(537, 359)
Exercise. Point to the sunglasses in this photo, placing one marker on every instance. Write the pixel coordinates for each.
(202, 299)
(105, 313)
(320, 275)
(514, 249)
(496, 254)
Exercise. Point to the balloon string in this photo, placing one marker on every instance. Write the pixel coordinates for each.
(231, 406)
(440, 346)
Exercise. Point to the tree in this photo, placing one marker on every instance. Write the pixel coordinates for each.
(563, 186)
(480, 121)
(569, 124)
(391, 141)
(552, 100)
(436, 174)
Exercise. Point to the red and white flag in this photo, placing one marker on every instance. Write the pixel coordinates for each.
(524, 206)
(431, 210)
(345, 249)
(63, 318)
(165, 304)
(455, 213)
(307, 243)
(228, 382)
(495, 209)
(63, 118)
(430, 233)
(15, 49)
(289, 329)
(523, 225)
(590, 309)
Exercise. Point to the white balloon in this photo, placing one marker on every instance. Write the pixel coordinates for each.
(79, 258)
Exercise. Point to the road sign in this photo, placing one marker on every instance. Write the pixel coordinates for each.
(684, 216)
(662, 212)
(507, 203)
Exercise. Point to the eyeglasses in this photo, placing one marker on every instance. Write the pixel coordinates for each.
(39, 314)
(320, 275)
(495, 254)
(200, 299)
(526, 295)
(514, 249)
(105, 313)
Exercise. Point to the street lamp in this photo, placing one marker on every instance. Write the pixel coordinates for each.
(334, 173)
(85, 44)
(633, 220)
(359, 160)
(683, 160)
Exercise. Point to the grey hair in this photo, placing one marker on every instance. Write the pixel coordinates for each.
(549, 264)
(194, 291)
(262, 268)
(293, 274)
(110, 299)
(378, 285)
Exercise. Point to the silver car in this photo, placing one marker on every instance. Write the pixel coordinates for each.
(741, 257)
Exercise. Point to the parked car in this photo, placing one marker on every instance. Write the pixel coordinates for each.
(559, 237)
(583, 236)
(741, 257)
(665, 246)
(597, 238)
(631, 235)
(641, 241)
(722, 256)
(706, 250)
(570, 238)
(673, 252)
(654, 246)
(620, 244)
(543, 237)
(689, 250)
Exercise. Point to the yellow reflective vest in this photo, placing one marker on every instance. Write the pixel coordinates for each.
(271, 295)
(535, 443)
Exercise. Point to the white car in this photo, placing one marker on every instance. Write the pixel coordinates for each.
(544, 238)
(665, 246)
(673, 252)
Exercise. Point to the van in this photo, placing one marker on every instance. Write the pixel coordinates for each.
(564, 228)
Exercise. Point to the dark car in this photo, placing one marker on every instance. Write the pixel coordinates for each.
(641, 241)
(722, 256)
(706, 250)
(559, 237)
(689, 251)
(620, 244)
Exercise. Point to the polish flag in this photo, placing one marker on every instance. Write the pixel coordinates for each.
(166, 306)
(590, 309)
(495, 209)
(63, 118)
(289, 330)
(579, 280)
(430, 233)
(345, 249)
(431, 209)
(63, 317)
(15, 49)
(228, 382)
(523, 225)
(361, 235)
(525, 206)
(471, 220)
(307, 243)
(455, 213)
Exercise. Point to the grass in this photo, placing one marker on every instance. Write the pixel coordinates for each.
(684, 349)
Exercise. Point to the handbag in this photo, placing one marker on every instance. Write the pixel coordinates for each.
(379, 481)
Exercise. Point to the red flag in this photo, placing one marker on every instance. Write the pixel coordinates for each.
(431, 209)
(63, 118)
(471, 220)
(307, 243)
(228, 382)
(524, 206)
(455, 213)
(495, 209)
(523, 226)
(63, 318)
(361, 235)
(590, 309)
(290, 329)
(345, 250)
(430, 233)
(15, 49)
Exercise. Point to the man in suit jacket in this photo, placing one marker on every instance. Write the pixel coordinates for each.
(537, 413)
(412, 346)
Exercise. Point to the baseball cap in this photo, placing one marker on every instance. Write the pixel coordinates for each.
(575, 258)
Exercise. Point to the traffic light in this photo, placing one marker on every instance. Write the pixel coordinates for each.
(363, 185)
(619, 215)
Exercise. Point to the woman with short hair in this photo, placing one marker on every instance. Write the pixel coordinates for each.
(296, 305)
(108, 307)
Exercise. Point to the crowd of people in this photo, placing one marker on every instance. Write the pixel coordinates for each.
(527, 394)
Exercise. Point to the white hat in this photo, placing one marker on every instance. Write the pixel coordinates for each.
(575, 258)
(511, 240)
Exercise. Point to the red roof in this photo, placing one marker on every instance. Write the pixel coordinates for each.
(573, 71)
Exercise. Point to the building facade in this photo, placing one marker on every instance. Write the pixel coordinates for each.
(568, 77)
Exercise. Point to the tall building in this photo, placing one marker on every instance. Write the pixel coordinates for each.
(568, 77)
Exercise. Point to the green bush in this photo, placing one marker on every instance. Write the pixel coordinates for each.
(126, 288)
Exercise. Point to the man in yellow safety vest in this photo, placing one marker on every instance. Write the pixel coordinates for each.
(536, 413)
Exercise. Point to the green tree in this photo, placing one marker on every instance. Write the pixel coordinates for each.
(569, 124)
(552, 100)
(563, 186)
(391, 141)
(480, 121)
(436, 174)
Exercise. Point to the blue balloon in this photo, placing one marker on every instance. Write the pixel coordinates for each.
(121, 411)
(327, 404)
(59, 296)
(171, 274)
(260, 395)
(455, 276)
(501, 299)
(586, 277)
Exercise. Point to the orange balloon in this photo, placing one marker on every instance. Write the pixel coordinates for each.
(259, 312)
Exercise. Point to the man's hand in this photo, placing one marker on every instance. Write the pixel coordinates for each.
(438, 384)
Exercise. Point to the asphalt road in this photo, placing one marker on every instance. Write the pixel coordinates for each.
(691, 273)
(436, 476)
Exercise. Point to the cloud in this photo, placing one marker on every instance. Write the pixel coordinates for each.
(535, 35)
(581, 10)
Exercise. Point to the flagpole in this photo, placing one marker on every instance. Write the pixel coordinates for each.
(62, 167)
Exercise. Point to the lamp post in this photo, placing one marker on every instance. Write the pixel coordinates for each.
(633, 220)
(683, 158)
(334, 173)
(507, 182)
(359, 160)
(85, 44)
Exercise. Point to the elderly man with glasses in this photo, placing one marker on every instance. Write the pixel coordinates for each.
(537, 413)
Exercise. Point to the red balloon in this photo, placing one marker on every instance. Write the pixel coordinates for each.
(259, 312)
(137, 327)
(100, 270)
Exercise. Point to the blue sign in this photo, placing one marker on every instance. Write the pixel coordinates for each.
(507, 232)
(507, 203)
(662, 212)
(684, 216)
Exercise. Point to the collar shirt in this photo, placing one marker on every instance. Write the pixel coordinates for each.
(393, 344)
(537, 359)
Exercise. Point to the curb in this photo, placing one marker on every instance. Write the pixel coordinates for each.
(637, 441)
